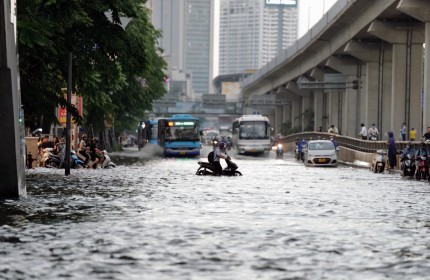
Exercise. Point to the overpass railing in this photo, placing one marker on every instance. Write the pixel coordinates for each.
(348, 142)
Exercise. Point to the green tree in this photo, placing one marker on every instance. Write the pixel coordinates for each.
(118, 72)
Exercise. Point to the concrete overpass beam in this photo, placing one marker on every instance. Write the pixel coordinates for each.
(407, 44)
(318, 74)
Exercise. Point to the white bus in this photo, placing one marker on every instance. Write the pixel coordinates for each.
(251, 134)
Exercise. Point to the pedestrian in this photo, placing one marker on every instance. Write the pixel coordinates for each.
(426, 135)
(392, 160)
(403, 130)
(333, 129)
(412, 134)
(363, 132)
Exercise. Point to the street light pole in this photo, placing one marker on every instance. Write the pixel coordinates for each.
(68, 117)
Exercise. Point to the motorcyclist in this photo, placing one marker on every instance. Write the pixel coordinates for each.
(217, 156)
(333, 141)
(373, 133)
(422, 150)
(300, 145)
(407, 150)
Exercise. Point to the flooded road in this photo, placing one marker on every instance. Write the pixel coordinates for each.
(153, 218)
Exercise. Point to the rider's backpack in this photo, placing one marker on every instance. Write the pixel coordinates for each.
(211, 157)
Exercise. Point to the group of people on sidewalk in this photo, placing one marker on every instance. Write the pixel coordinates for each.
(373, 133)
(88, 150)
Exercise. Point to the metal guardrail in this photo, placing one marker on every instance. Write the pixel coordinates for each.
(350, 142)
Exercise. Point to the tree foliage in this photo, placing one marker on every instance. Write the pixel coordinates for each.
(119, 72)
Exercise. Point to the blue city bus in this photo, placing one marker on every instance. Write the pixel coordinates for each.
(179, 135)
(147, 133)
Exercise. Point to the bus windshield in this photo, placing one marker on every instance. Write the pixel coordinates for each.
(182, 131)
(253, 130)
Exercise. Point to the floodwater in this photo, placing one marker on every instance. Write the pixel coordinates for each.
(153, 218)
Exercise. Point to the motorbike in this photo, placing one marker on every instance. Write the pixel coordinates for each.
(50, 160)
(373, 137)
(421, 171)
(379, 161)
(407, 165)
(75, 161)
(206, 168)
(279, 150)
(107, 162)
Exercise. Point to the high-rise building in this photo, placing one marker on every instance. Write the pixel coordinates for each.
(253, 32)
(187, 38)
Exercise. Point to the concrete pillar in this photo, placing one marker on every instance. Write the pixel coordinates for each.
(318, 101)
(376, 87)
(278, 118)
(318, 111)
(12, 135)
(334, 109)
(301, 103)
(287, 113)
(420, 9)
(407, 42)
(350, 99)
(296, 112)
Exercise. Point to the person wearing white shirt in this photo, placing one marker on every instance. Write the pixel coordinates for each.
(373, 131)
(363, 132)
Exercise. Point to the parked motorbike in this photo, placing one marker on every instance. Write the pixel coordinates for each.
(75, 161)
(421, 171)
(50, 160)
(206, 168)
(379, 161)
(407, 165)
(279, 150)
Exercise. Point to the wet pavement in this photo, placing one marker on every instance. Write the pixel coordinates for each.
(153, 218)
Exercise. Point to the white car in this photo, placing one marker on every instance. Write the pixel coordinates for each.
(321, 153)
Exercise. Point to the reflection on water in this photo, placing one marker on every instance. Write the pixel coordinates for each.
(152, 218)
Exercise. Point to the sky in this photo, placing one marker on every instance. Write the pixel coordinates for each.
(310, 11)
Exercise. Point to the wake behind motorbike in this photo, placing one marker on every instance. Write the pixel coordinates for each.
(207, 168)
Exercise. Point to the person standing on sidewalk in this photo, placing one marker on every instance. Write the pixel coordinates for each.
(412, 134)
(392, 151)
(403, 130)
(363, 132)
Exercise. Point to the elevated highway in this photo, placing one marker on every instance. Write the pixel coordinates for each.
(363, 62)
